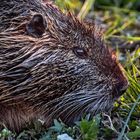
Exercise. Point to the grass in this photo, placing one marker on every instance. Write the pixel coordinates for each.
(121, 21)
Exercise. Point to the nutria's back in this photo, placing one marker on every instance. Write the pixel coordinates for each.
(52, 66)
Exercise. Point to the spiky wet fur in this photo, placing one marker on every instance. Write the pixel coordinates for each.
(41, 78)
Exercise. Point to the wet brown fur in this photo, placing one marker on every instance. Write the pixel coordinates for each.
(41, 77)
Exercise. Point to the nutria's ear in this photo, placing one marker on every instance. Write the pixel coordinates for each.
(36, 26)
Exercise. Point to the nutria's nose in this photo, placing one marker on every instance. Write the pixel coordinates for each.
(121, 88)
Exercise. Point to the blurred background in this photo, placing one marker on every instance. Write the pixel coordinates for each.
(76, 4)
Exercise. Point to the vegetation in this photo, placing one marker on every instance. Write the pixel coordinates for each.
(121, 21)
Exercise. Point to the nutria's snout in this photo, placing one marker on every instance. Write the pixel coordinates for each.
(121, 88)
(124, 87)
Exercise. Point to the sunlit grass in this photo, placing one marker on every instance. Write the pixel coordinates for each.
(85, 8)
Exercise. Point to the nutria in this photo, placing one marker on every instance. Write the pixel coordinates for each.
(53, 66)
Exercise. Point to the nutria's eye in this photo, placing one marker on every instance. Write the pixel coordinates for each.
(36, 26)
(80, 52)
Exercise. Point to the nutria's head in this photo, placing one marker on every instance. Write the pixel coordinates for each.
(58, 64)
